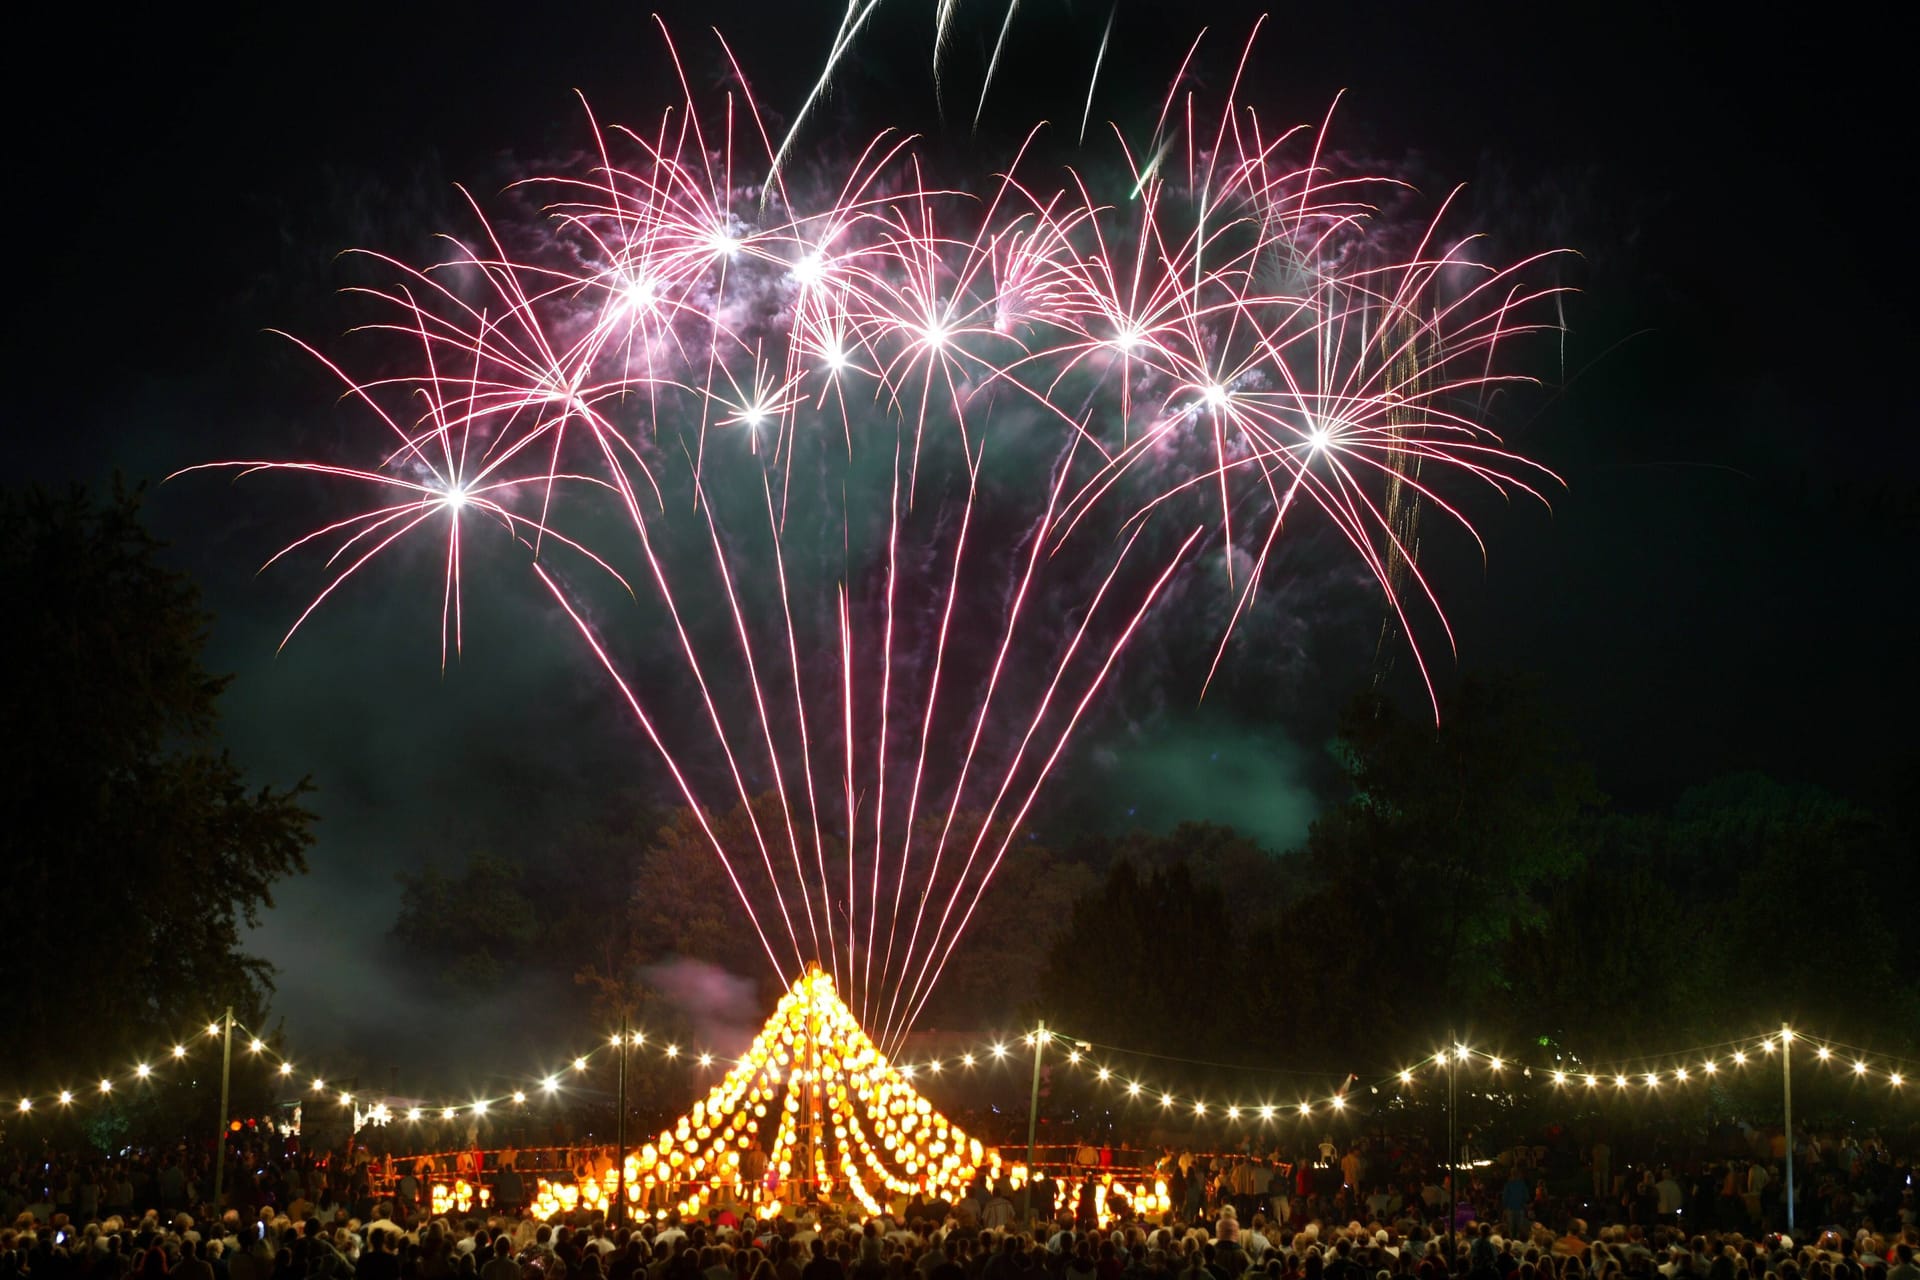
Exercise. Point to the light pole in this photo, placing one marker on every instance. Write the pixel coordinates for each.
(1453, 1166)
(1786, 1089)
(619, 1215)
(1040, 1037)
(226, 1077)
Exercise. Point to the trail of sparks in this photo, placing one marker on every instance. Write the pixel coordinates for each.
(717, 407)
(1093, 80)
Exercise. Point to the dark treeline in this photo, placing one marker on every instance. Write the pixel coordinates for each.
(1473, 880)
(1469, 879)
(1475, 883)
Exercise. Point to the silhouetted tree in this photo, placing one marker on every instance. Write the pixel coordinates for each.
(136, 847)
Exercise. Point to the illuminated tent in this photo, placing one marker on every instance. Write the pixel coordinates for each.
(833, 1116)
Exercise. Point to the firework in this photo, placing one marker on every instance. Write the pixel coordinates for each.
(815, 437)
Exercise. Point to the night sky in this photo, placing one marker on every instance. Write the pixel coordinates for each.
(1725, 583)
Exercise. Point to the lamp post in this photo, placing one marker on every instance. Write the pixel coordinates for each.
(1786, 1089)
(1040, 1037)
(619, 1215)
(1453, 1166)
(226, 1077)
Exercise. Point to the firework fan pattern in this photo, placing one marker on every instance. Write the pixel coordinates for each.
(886, 475)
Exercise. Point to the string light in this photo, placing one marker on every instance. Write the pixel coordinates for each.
(213, 1028)
(413, 1113)
(860, 1084)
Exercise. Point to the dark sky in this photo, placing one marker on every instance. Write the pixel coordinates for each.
(1726, 582)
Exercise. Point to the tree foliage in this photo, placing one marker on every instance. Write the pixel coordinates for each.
(476, 925)
(138, 848)
(1470, 881)
(1138, 951)
(1473, 884)
(630, 888)
(1467, 823)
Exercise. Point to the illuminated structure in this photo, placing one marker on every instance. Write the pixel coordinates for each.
(834, 1118)
(845, 1124)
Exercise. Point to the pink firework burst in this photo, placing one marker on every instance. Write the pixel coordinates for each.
(891, 479)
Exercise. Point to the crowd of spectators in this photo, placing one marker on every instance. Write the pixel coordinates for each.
(1373, 1209)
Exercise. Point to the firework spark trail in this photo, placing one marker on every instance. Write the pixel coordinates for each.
(646, 725)
(1094, 79)
(852, 810)
(1233, 337)
(806, 742)
(993, 63)
(1015, 604)
(766, 726)
(1040, 776)
(926, 723)
(1069, 651)
(886, 700)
